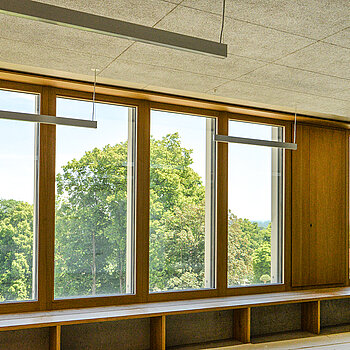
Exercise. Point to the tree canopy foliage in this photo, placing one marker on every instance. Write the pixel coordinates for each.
(91, 228)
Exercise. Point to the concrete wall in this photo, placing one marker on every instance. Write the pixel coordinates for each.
(199, 327)
(126, 334)
(28, 339)
(273, 319)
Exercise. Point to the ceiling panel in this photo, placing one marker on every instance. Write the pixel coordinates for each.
(298, 80)
(341, 39)
(274, 66)
(146, 12)
(282, 98)
(189, 21)
(252, 92)
(160, 76)
(54, 36)
(258, 42)
(321, 58)
(343, 95)
(228, 68)
(243, 39)
(50, 58)
(311, 18)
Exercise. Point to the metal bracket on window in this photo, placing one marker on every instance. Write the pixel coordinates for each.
(255, 142)
(48, 119)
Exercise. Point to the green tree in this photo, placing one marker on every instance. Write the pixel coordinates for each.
(16, 253)
(262, 261)
(240, 269)
(91, 223)
(177, 216)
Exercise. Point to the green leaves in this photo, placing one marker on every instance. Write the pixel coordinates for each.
(91, 228)
(16, 250)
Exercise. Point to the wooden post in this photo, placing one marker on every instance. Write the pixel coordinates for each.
(241, 325)
(55, 338)
(158, 333)
(310, 317)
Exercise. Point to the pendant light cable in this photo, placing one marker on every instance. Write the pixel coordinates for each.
(295, 125)
(223, 20)
(94, 96)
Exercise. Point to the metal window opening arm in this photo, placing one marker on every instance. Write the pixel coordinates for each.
(47, 119)
(255, 142)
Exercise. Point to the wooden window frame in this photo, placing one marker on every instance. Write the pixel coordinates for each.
(51, 88)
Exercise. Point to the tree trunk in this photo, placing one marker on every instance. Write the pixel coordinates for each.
(120, 273)
(93, 287)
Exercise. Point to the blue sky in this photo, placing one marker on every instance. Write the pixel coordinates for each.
(17, 149)
(249, 166)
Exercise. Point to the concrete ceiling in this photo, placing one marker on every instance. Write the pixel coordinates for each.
(282, 53)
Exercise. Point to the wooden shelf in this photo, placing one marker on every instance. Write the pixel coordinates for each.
(100, 314)
(157, 313)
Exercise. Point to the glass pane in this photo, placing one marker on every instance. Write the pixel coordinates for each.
(18, 157)
(255, 201)
(181, 202)
(94, 187)
(252, 131)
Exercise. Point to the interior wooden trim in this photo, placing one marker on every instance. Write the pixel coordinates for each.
(20, 87)
(347, 223)
(184, 109)
(159, 97)
(182, 295)
(97, 301)
(256, 289)
(19, 306)
(142, 200)
(95, 314)
(222, 207)
(47, 178)
(49, 88)
(103, 98)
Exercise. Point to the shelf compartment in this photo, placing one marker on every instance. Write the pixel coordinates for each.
(133, 334)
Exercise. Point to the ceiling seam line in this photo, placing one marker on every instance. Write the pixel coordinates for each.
(310, 71)
(316, 42)
(283, 89)
(256, 24)
(180, 70)
(173, 9)
(291, 90)
(56, 47)
(114, 59)
(118, 56)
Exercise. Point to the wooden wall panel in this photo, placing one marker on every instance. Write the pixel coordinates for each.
(55, 338)
(158, 333)
(241, 325)
(310, 317)
(319, 207)
(301, 208)
(327, 206)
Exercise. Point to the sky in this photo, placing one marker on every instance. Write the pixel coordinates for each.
(249, 166)
(17, 148)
